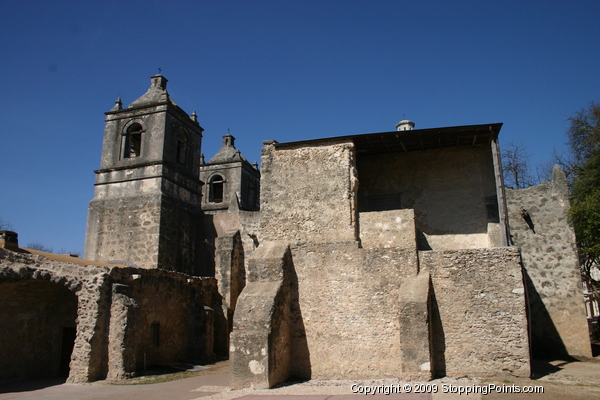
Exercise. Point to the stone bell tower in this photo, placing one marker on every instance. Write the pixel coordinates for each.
(146, 206)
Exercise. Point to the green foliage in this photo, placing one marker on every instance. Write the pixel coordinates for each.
(584, 142)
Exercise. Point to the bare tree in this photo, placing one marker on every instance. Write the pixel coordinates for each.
(515, 166)
(39, 246)
(5, 225)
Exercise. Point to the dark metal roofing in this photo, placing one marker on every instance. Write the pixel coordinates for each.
(411, 140)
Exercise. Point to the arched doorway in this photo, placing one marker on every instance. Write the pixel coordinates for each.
(37, 328)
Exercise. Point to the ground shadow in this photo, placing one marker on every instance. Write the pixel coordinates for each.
(29, 385)
(541, 368)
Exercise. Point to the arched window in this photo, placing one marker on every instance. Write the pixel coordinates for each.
(215, 194)
(181, 147)
(132, 141)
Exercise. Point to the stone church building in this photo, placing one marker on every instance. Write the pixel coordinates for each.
(393, 254)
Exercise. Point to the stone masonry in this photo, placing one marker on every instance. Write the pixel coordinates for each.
(539, 225)
(122, 319)
(368, 303)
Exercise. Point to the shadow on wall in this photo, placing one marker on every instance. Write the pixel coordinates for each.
(207, 246)
(545, 340)
(300, 366)
(437, 338)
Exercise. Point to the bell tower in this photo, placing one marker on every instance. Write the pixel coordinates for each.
(146, 206)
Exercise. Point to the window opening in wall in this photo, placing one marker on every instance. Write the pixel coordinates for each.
(154, 334)
(181, 147)
(384, 202)
(216, 189)
(133, 141)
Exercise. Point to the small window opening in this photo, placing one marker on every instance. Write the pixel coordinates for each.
(133, 141)
(181, 147)
(154, 334)
(216, 189)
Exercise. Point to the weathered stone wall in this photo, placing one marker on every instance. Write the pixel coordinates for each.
(263, 346)
(539, 225)
(478, 313)
(88, 283)
(307, 193)
(115, 308)
(159, 317)
(34, 317)
(149, 231)
(452, 191)
(125, 229)
(394, 228)
(348, 301)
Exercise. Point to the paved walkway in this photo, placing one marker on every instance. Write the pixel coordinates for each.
(561, 380)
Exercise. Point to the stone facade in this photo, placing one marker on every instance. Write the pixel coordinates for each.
(539, 225)
(90, 320)
(359, 257)
(345, 219)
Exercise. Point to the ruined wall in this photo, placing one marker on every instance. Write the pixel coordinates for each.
(89, 285)
(452, 191)
(307, 193)
(539, 225)
(35, 319)
(478, 312)
(159, 317)
(394, 228)
(115, 309)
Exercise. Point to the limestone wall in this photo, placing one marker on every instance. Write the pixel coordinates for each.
(539, 225)
(478, 312)
(124, 228)
(159, 317)
(348, 301)
(307, 193)
(148, 231)
(452, 192)
(112, 308)
(394, 228)
(43, 282)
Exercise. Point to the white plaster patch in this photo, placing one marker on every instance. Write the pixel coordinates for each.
(263, 352)
(425, 366)
(256, 367)
(518, 290)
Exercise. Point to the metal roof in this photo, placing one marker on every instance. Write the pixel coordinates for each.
(411, 140)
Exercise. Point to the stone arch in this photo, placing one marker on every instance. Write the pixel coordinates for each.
(216, 189)
(53, 322)
(132, 138)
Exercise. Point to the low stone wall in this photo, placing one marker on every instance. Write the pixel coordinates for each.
(478, 312)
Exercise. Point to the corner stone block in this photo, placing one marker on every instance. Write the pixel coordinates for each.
(414, 327)
(260, 351)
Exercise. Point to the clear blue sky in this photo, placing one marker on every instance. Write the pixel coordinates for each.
(284, 70)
